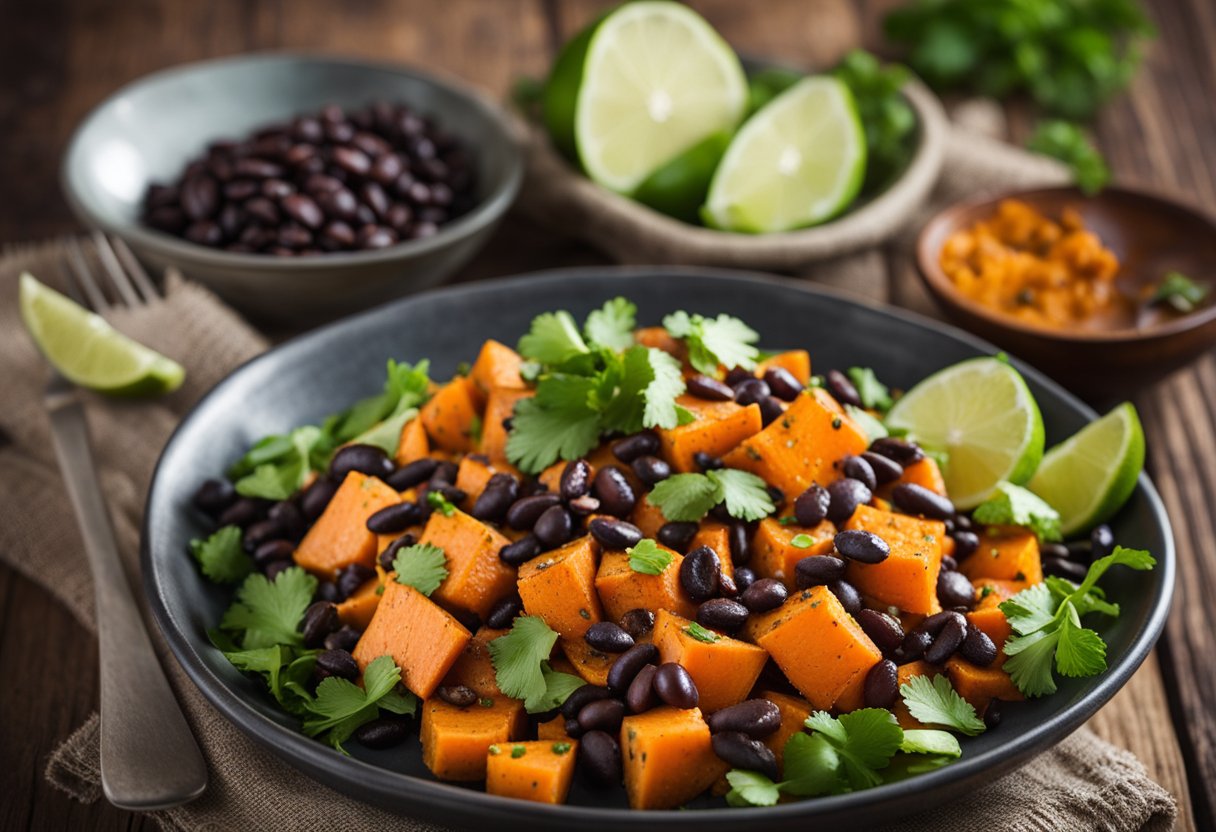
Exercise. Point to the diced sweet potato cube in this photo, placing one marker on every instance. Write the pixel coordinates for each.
(621, 589)
(794, 711)
(925, 473)
(804, 446)
(987, 615)
(774, 554)
(905, 674)
(818, 645)
(450, 415)
(472, 475)
(797, 362)
(719, 428)
(500, 406)
(589, 664)
(423, 638)
(907, 579)
(477, 578)
(667, 757)
(559, 586)
(715, 535)
(538, 771)
(980, 685)
(497, 365)
(724, 670)
(659, 338)
(551, 477)
(554, 730)
(647, 517)
(357, 610)
(474, 668)
(340, 537)
(1011, 555)
(456, 741)
(413, 444)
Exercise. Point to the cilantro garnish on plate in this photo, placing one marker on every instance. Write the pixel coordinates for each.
(221, 557)
(936, 702)
(422, 566)
(1012, 505)
(521, 666)
(723, 341)
(689, 497)
(648, 558)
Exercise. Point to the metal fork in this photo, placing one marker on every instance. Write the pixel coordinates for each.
(149, 758)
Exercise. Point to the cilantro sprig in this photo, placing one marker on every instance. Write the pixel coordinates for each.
(723, 341)
(648, 558)
(267, 613)
(1012, 505)
(422, 566)
(1180, 292)
(689, 497)
(936, 702)
(221, 557)
(1046, 620)
(521, 666)
(341, 707)
(873, 393)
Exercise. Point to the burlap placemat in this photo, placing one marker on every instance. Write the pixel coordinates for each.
(1081, 784)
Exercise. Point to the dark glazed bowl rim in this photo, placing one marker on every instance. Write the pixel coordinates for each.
(487, 210)
(457, 805)
(932, 236)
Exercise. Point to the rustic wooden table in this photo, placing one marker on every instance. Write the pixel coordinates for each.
(58, 58)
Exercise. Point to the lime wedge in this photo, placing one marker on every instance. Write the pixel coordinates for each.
(678, 188)
(1090, 475)
(980, 413)
(639, 87)
(798, 161)
(90, 352)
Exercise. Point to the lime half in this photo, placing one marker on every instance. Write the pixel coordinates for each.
(678, 188)
(1090, 475)
(798, 161)
(90, 352)
(644, 84)
(981, 414)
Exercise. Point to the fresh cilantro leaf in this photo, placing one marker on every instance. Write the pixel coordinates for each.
(1180, 292)
(553, 338)
(871, 426)
(746, 496)
(811, 766)
(935, 702)
(341, 706)
(1067, 142)
(221, 557)
(558, 687)
(750, 788)
(865, 741)
(696, 631)
(666, 383)
(439, 502)
(712, 342)
(284, 670)
(648, 558)
(406, 386)
(1012, 505)
(286, 473)
(886, 116)
(1030, 659)
(611, 326)
(422, 566)
(930, 741)
(269, 613)
(558, 422)
(1079, 651)
(1137, 559)
(520, 658)
(684, 497)
(1030, 610)
(874, 394)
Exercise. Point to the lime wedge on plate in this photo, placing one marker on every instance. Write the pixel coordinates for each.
(90, 352)
(798, 161)
(981, 414)
(639, 87)
(1090, 475)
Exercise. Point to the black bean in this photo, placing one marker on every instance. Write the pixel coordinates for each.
(352, 577)
(632, 447)
(838, 385)
(722, 614)
(581, 696)
(599, 758)
(492, 503)
(738, 374)
(949, 564)
(776, 495)
(273, 550)
(727, 587)
(384, 732)
(886, 633)
(243, 512)
(783, 384)
(1102, 541)
(965, 543)
(629, 663)
(461, 696)
(862, 546)
(521, 551)
(199, 197)
(751, 391)
(882, 685)
(412, 474)
(933, 624)
(1054, 550)
(637, 622)
(554, 527)
(213, 496)
(602, 715)
(504, 611)
(366, 459)
(525, 511)
(272, 569)
(260, 532)
(914, 646)
(757, 718)
(744, 578)
(1069, 569)
(947, 641)
(445, 473)
(885, 469)
(770, 410)
(900, 450)
(846, 496)
(575, 479)
(857, 468)
(390, 552)
(573, 729)
(288, 515)
(650, 469)
(743, 752)
(328, 591)
(764, 595)
(614, 491)
(677, 535)
(339, 663)
(344, 638)
(818, 570)
(709, 389)
(811, 507)
(699, 573)
(993, 713)
(641, 696)
(608, 637)
(706, 462)
(675, 687)
(740, 543)
(584, 505)
(612, 533)
(954, 590)
(848, 596)
(977, 647)
(320, 619)
(962, 522)
(396, 518)
(916, 499)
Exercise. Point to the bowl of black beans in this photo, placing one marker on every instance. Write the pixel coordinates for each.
(296, 186)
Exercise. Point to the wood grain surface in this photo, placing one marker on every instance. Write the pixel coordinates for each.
(60, 58)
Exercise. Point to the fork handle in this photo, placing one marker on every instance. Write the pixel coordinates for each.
(149, 758)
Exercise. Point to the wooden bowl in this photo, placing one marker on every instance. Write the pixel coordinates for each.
(1150, 234)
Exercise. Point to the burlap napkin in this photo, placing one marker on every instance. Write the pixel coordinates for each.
(1082, 784)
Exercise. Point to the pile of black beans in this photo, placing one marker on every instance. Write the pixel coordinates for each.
(328, 182)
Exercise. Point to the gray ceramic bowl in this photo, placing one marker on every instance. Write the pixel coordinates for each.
(150, 129)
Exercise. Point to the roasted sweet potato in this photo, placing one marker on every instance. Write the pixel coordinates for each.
(803, 446)
(906, 672)
(980, 685)
(472, 475)
(423, 638)
(908, 578)
(553, 730)
(621, 589)
(659, 338)
(715, 535)
(357, 610)
(724, 670)
(413, 444)
(1007, 555)
(497, 365)
(474, 668)
(987, 614)
(340, 537)
(559, 586)
(668, 758)
(586, 662)
(797, 362)
(794, 711)
(538, 771)
(647, 517)
(818, 645)
(456, 741)
(476, 576)
(774, 554)
(719, 428)
(499, 407)
(925, 473)
(451, 417)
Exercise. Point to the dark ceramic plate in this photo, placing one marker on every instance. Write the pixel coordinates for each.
(318, 373)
